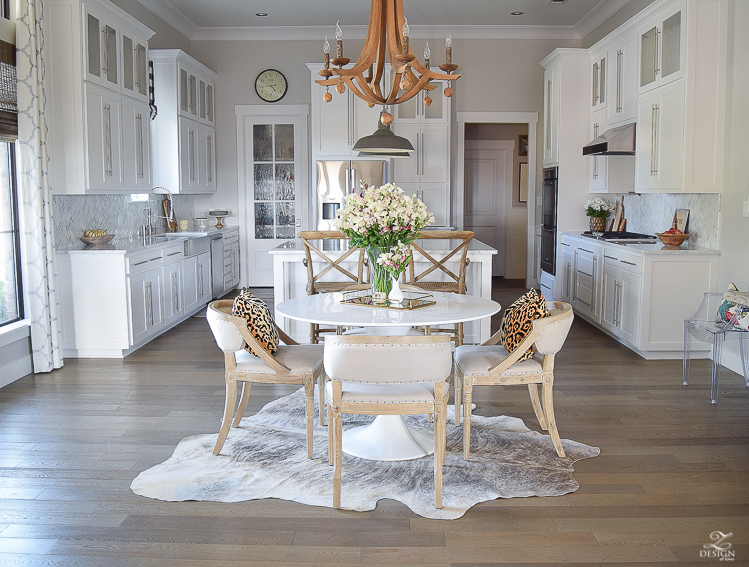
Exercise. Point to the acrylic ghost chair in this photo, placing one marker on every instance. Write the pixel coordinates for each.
(291, 364)
(703, 327)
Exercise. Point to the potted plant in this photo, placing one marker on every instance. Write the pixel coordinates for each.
(598, 210)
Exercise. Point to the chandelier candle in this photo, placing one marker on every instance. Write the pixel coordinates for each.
(448, 50)
(405, 35)
(326, 53)
(338, 40)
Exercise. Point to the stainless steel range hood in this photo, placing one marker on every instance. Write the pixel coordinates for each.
(618, 141)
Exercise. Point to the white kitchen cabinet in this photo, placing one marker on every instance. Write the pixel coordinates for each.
(662, 47)
(338, 124)
(231, 260)
(113, 302)
(599, 94)
(597, 163)
(551, 113)
(174, 308)
(134, 52)
(146, 307)
(183, 138)
(136, 146)
(659, 139)
(93, 138)
(101, 48)
(679, 95)
(197, 281)
(622, 293)
(622, 81)
(103, 139)
(639, 294)
(427, 170)
(564, 293)
(586, 277)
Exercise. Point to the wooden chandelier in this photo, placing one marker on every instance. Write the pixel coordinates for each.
(386, 20)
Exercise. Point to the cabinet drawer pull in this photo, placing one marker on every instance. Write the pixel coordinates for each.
(146, 261)
(625, 262)
(174, 253)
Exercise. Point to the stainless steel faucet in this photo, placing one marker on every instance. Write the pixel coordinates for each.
(149, 229)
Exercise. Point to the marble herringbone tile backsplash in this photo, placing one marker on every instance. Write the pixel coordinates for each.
(651, 213)
(117, 214)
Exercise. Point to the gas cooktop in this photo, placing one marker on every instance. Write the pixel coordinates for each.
(622, 236)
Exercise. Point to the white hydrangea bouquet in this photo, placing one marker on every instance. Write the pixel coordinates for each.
(381, 219)
(599, 207)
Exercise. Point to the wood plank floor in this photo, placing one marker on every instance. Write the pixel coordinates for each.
(672, 470)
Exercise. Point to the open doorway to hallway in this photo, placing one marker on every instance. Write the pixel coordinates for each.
(496, 192)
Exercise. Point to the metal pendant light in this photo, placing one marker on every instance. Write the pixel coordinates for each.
(384, 142)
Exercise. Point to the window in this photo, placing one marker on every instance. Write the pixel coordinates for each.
(10, 273)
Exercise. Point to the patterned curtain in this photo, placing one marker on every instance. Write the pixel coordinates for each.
(35, 198)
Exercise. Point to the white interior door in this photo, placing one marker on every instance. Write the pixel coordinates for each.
(273, 184)
(488, 190)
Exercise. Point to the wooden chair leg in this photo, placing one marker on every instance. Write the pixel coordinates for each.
(313, 333)
(309, 410)
(551, 421)
(229, 405)
(331, 440)
(430, 417)
(321, 397)
(337, 459)
(337, 442)
(246, 387)
(536, 402)
(467, 401)
(458, 387)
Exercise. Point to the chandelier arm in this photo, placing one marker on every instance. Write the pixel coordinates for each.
(362, 91)
(328, 82)
(412, 92)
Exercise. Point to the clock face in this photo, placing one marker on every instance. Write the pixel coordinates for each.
(270, 85)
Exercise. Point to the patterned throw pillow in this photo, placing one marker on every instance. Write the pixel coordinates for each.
(734, 309)
(259, 320)
(518, 321)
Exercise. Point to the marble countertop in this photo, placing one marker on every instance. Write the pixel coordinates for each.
(474, 246)
(656, 248)
(126, 246)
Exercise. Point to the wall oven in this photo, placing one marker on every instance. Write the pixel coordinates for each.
(549, 220)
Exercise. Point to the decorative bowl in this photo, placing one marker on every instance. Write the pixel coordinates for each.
(672, 239)
(96, 240)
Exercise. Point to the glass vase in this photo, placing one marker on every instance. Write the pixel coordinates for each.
(379, 276)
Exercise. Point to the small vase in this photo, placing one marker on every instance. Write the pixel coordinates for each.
(396, 294)
(597, 224)
(381, 280)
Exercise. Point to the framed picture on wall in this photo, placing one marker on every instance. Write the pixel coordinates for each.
(523, 145)
(523, 183)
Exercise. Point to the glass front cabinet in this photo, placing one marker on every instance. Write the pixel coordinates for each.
(661, 44)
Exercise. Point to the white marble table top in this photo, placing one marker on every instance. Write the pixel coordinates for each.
(327, 309)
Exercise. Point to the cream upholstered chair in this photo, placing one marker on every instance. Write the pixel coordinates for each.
(291, 364)
(490, 364)
(315, 257)
(401, 375)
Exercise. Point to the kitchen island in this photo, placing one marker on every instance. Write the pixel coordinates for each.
(290, 277)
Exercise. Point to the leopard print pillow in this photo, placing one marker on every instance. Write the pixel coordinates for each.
(518, 321)
(259, 320)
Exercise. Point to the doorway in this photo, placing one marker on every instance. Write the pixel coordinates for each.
(519, 201)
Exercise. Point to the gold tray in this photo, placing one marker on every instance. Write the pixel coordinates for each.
(411, 300)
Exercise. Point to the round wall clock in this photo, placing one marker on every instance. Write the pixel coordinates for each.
(270, 85)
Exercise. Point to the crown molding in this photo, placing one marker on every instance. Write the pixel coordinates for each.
(315, 33)
(599, 14)
(171, 16)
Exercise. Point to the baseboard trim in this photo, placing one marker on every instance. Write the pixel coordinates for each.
(15, 370)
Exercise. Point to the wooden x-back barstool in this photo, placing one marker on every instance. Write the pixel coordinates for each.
(456, 283)
(328, 267)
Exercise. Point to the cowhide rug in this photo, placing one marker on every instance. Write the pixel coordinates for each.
(266, 457)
